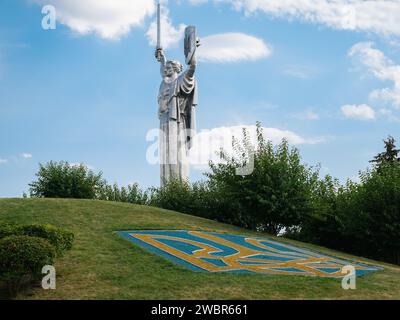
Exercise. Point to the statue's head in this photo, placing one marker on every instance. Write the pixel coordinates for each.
(173, 67)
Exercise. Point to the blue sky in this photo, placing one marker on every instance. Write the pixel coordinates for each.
(327, 77)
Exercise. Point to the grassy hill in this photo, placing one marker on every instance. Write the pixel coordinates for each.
(104, 266)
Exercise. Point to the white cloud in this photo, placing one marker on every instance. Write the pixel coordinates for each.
(307, 115)
(110, 19)
(380, 67)
(170, 35)
(232, 47)
(376, 16)
(113, 19)
(3, 161)
(207, 143)
(26, 155)
(389, 115)
(358, 112)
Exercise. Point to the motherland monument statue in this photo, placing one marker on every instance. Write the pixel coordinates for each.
(177, 100)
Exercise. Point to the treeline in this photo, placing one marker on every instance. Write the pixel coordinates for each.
(361, 218)
(268, 189)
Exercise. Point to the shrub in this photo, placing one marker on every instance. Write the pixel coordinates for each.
(136, 195)
(62, 180)
(7, 229)
(22, 259)
(323, 225)
(182, 196)
(204, 201)
(174, 195)
(131, 194)
(61, 239)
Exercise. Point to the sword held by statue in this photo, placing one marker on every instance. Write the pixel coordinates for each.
(159, 47)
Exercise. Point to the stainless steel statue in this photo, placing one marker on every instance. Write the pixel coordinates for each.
(177, 100)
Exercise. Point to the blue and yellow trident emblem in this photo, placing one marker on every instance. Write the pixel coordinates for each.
(216, 252)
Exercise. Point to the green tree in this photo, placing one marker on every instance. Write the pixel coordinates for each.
(323, 225)
(391, 154)
(371, 213)
(274, 196)
(136, 195)
(63, 180)
(360, 217)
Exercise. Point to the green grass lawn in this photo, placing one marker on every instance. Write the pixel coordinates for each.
(104, 266)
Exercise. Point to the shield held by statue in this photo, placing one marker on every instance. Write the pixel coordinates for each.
(190, 43)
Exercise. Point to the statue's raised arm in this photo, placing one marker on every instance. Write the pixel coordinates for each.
(191, 44)
(160, 56)
(190, 71)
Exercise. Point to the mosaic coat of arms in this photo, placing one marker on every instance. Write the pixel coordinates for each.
(216, 252)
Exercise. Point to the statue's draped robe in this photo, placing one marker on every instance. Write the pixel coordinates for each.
(177, 101)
